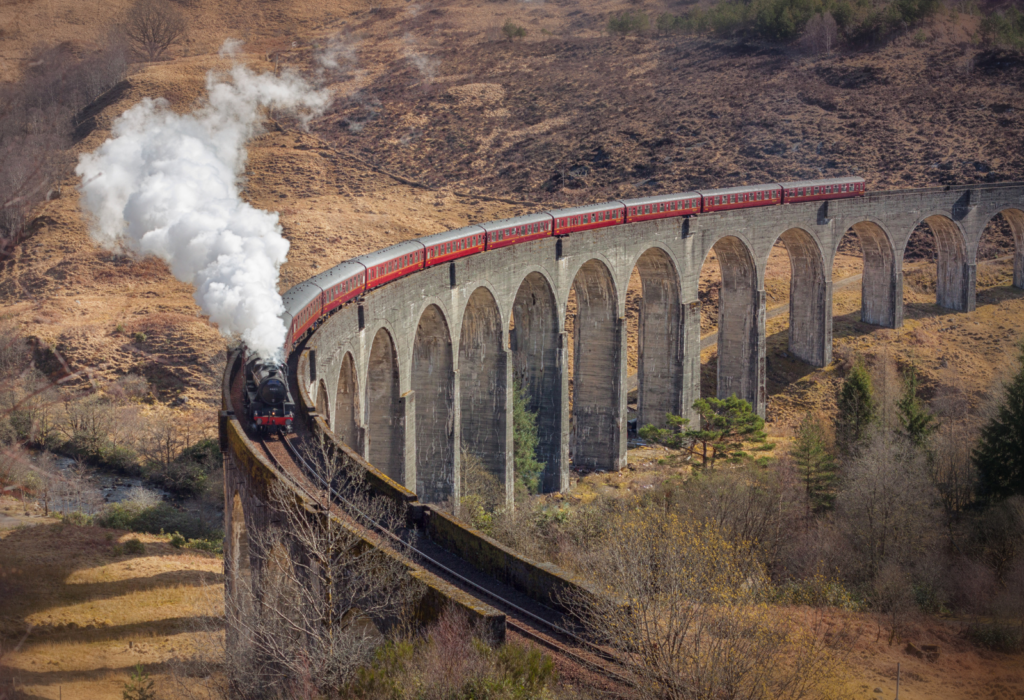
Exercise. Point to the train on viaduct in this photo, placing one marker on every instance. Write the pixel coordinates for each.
(406, 376)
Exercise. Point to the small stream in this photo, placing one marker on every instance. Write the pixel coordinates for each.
(113, 487)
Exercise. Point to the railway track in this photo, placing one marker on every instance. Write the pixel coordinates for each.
(523, 622)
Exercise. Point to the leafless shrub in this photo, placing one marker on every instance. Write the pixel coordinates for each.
(886, 508)
(14, 351)
(481, 493)
(821, 34)
(70, 490)
(696, 623)
(325, 599)
(153, 26)
(893, 595)
(38, 118)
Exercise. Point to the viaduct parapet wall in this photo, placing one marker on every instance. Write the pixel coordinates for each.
(422, 369)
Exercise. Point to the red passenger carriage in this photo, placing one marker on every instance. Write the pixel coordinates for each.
(812, 190)
(390, 263)
(588, 217)
(517, 230)
(662, 206)
(450, 245)
(740, 197)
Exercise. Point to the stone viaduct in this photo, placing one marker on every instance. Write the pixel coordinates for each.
(423, 368)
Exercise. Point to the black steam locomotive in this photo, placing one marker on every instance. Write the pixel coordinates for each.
(268, 403)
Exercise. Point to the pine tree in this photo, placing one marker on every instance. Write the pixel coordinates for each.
(725, 425)
(917, 423)
(139, 686)
(999, 455)
(525, 439)
(857, 409)
(674, 436)
(816, 464)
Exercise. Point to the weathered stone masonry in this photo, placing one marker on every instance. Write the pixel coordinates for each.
(424, 367)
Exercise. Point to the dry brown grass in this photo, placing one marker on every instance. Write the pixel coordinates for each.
(76, 617)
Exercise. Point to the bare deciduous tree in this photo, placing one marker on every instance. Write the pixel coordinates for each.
(696, 625)
(887, 510)
(319, 601)
(38, 119)
(821, 34)
(153, 26)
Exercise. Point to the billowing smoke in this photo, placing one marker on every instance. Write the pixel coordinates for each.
(167, 185)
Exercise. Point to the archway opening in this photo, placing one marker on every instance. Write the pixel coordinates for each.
(596, 344)
(483, 400)
(934, 265)
(385, 427)
(537, 369)
(323, 404)
(654, 337)
(801, 288)
(346, 402)
(432, 385)
(730, 356)
(864, 277)
(1000, 259)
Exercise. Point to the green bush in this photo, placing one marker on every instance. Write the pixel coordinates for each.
(78, 518)
(784, 20)
(119, 457)
(188, 473)
(202, 545)
(155, 520)
(134, 546)
(996, 637)
(513, 31)
(1005, 29)
(528, 670)
(628, 23)
(140, 337)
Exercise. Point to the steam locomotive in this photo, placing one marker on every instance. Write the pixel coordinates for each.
(268, 402)
(308, 303)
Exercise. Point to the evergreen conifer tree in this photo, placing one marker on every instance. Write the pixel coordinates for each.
(857, 408)
(139, 686)
(999, 455)
(815, 462)
(917, 423)
(725, 425)
(525, 439)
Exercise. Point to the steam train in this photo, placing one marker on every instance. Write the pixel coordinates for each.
(268, 401)
(308, 303)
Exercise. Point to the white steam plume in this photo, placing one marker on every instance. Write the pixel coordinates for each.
(168, 185)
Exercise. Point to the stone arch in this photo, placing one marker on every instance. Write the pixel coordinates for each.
(1015, 218)
(740, 324)
(346, 404)
(385, 413)
(537, 360)
(882, 280)
(954, 287)
(659, 339)
(597, 421)
(323, 401)
(810, 299)
(483, 390)
(433, 392)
